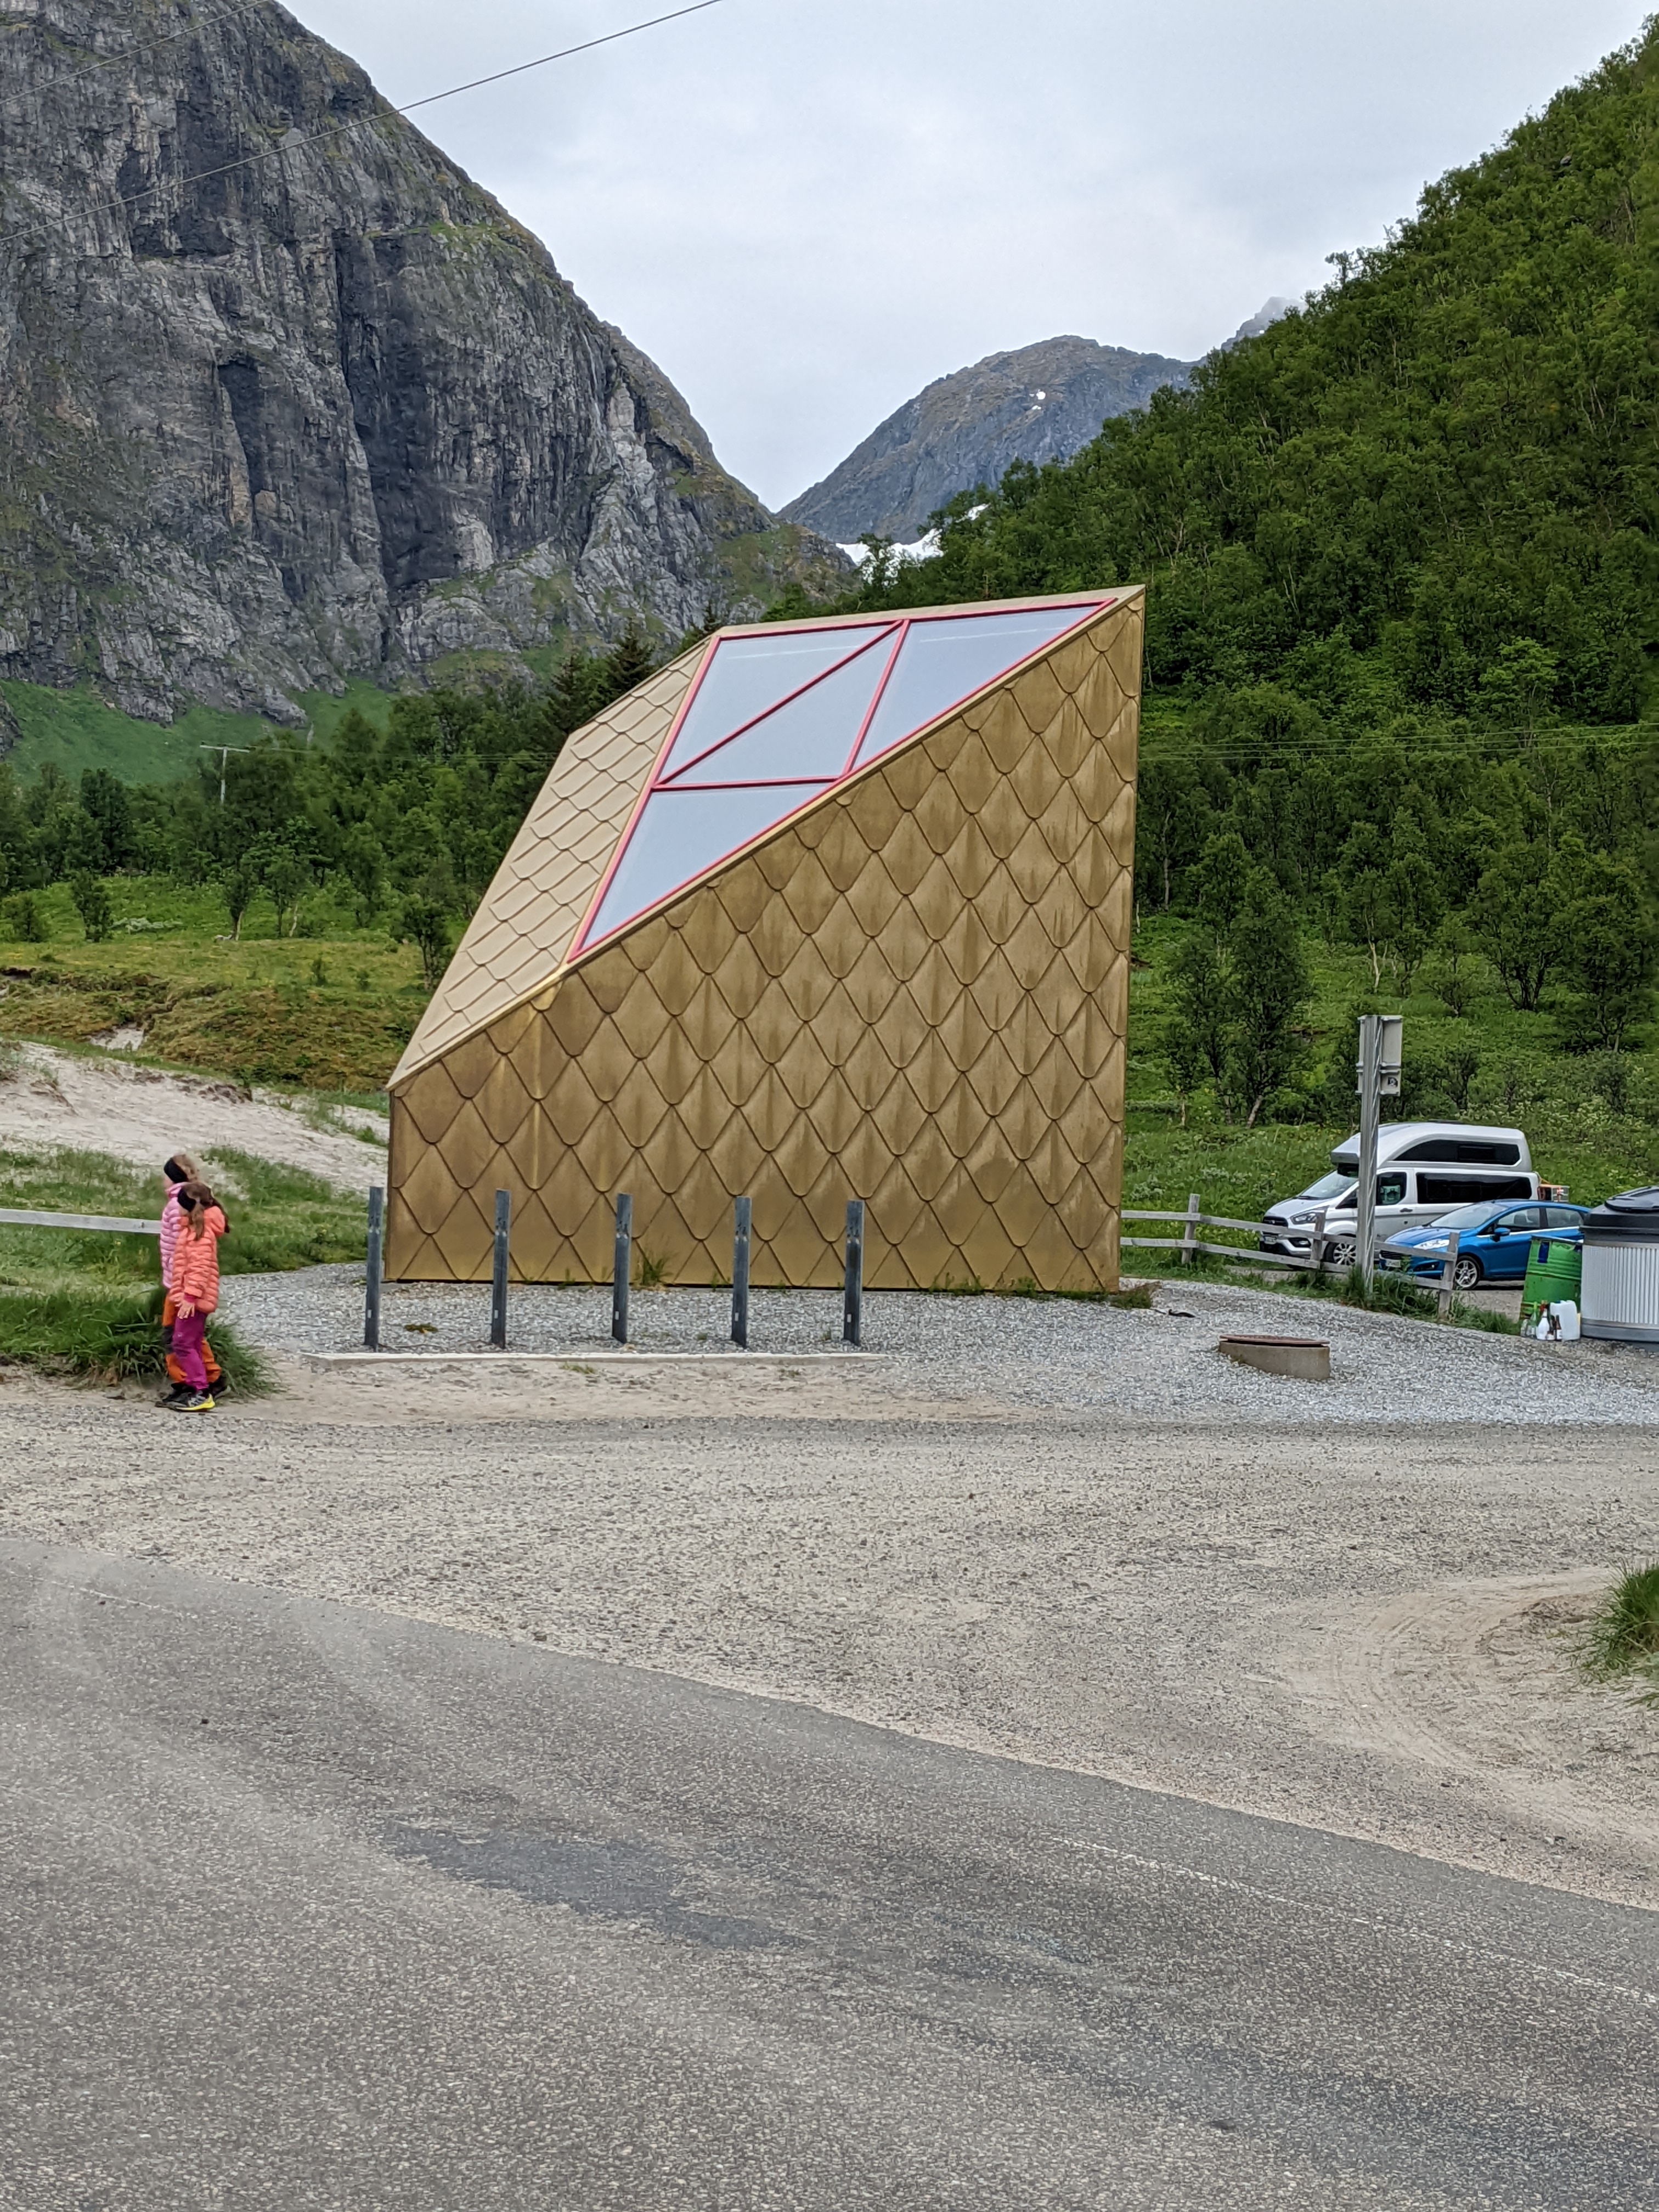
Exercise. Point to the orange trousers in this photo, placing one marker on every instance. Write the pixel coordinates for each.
(175, 1372)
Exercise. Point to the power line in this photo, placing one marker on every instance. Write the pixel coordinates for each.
(296, 140)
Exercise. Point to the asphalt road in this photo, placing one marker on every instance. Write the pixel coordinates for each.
(308, 1907)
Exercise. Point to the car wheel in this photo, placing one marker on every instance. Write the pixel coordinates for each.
(1341, 1253)
(1467, 1274)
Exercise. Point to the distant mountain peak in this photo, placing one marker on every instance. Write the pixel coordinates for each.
(1038, 403)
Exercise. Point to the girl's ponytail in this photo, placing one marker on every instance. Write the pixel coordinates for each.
(195, 1198)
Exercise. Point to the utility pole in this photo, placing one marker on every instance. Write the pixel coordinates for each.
(1379, 1078)
(224, 753)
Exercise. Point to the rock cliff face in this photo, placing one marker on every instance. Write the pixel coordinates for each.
(1043, 403)
(285, 397)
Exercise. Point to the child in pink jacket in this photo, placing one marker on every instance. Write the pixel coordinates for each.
(194, 1285)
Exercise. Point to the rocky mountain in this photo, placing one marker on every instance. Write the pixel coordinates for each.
(1043, 403)
(1039, 403)
(284, 396)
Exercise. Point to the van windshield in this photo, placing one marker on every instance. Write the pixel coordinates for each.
(1327, 1187)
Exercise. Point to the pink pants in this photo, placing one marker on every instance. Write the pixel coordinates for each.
(188, 1330)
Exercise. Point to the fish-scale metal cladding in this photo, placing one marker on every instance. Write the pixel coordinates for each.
(915, 994)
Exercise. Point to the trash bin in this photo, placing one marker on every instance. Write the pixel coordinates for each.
(1555, 1270)
(1621, 1298)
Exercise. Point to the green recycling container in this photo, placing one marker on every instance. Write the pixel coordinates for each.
(1555, 1270)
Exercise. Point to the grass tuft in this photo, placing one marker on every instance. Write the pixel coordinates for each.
(112, 1338)
(1622, 1638)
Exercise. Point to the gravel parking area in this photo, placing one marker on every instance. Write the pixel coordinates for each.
(1161, 1363)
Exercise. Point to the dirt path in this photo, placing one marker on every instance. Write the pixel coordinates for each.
(140, 1115)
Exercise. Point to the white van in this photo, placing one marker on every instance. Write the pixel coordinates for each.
(1424, 1169)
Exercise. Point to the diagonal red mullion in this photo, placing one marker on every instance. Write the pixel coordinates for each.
(864, 726)
(667, 783)
(579, 939)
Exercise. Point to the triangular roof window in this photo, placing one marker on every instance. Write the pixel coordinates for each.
(777, 719)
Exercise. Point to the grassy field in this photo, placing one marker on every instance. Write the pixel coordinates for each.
(77, 730)
(329, 1010)
(279, 1217)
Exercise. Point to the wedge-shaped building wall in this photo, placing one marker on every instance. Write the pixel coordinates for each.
(821, 911)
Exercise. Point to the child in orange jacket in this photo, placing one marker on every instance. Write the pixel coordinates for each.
(195, 1286)
(179, 1171)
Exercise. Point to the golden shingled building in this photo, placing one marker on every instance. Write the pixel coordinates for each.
(823, 910)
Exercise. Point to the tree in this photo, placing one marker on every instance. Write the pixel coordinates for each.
(285, 872)
(93, 903)
(238, 881)
(1171, 810)
(108, 807)
(25, 918)
(1219, 878)
(423, 922)
(364, 868)
(1201, 1002)
(1413, 900)
(1452, 977)
(1184, 1054)
(1514, 921)
(629, 661)
(1366, 913)
(1605, 938)
(1516, 692)
(1270, 988)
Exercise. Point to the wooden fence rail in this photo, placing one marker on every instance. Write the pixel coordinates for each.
(1192, 1244)
(15, 1217)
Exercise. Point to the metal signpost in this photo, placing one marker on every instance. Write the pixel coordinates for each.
(740, 1222)
(1379, 1078)
(851, 1291)
(498, 1277)
(622, 1267)
(372, 1271)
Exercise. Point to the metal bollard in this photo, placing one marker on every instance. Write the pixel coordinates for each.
(1448, 1273)
(622, 1267)
(498, 1280)
(852, 1294)
(372, 1270)
(740, 1273)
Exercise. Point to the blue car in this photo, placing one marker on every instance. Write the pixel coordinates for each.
(1493, 1245)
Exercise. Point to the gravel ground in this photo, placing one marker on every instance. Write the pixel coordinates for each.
(1161, 1364)
(1071, 1534)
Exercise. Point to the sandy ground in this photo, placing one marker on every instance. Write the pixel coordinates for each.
(1367, 1629)
(140, 1115)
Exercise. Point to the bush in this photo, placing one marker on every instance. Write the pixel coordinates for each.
(114, 1339)
(1622, 1637)
(93, 905)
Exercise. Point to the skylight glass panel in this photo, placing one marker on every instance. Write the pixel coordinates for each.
(682, 833)
(747, 674)
(944, 661)
(812, 735)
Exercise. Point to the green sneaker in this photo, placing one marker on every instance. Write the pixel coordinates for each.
(201, 1403)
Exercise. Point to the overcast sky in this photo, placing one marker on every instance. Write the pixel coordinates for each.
(806, 210)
